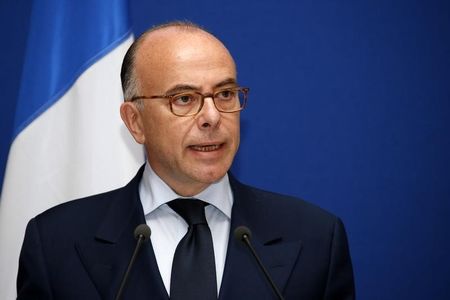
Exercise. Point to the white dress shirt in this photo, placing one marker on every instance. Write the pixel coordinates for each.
(168, 228)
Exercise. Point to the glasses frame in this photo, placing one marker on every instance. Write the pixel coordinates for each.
(244, 91)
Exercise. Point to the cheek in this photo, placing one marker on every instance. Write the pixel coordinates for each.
(166, 137)
(155, 134)
(233, 125)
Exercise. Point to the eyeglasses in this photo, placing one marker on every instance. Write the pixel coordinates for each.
(186, 104)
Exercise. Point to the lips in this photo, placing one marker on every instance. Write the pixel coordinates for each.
(205, 148)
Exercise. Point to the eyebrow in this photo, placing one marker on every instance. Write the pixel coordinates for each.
(225, 82)
(181, 88)
(186, 87)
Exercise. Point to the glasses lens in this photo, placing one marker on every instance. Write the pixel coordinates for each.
(230, 100)
(186, 103)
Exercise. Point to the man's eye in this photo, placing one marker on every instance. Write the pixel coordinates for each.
(226, 94)
(185, 99)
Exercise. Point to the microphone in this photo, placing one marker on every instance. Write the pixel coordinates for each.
(244, 235)
(142, 234)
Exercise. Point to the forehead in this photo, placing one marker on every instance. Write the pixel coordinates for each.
(172, 56)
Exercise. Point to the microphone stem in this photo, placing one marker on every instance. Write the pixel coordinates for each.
(130, 265)
(266, 274)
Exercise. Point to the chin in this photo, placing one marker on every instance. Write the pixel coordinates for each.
(209, 176)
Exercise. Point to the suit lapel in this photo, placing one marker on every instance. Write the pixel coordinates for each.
(106, 256)
(242, 277)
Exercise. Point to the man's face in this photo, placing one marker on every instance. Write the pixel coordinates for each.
(188, 153)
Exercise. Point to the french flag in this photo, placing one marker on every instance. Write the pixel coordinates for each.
(69, 140)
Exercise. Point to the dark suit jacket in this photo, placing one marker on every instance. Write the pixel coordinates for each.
(80, 250)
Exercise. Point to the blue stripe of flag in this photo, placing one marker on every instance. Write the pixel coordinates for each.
(65, 38)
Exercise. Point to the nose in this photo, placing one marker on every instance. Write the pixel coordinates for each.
(209, 116)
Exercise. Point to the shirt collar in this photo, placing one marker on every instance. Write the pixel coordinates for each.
(154, 192)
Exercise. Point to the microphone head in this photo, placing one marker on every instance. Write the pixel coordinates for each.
(242, 232)
(143, 231)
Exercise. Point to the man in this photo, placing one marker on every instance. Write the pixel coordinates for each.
(183, 104)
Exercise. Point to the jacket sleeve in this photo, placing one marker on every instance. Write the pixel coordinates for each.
(32, 278)
(340, 282)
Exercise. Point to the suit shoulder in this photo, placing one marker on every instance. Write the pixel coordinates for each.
(275, 209)
(92, 206)
(86, 210)
(290, 203)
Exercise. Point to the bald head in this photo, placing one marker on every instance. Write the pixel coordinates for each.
(155, 49)
(164, 68)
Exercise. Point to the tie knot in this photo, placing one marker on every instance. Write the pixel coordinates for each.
(192, 210)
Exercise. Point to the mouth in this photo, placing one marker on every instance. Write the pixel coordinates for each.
(206, 148)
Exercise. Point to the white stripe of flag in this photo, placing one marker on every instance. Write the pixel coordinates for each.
(77, 147)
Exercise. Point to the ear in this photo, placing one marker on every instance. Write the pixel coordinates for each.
(132, 118)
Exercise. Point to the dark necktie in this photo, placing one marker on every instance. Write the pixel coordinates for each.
(193, 269)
